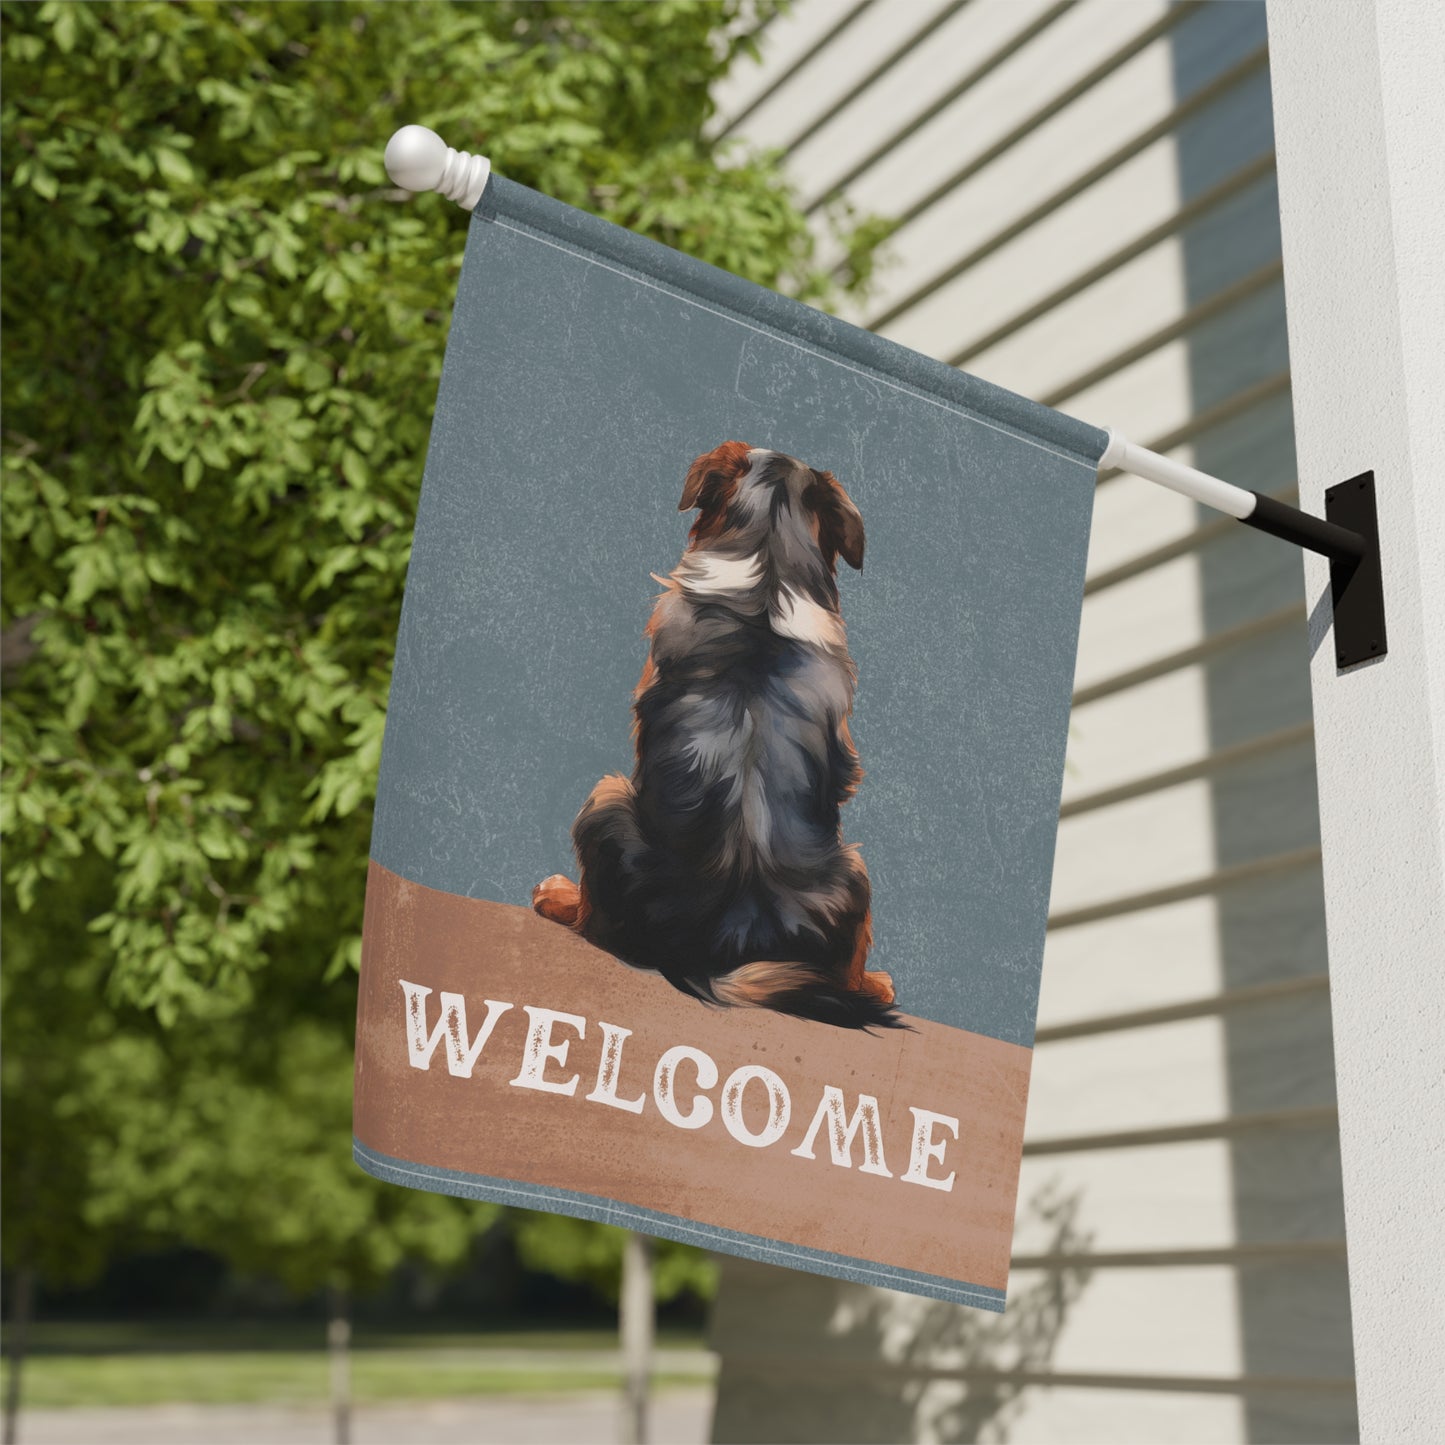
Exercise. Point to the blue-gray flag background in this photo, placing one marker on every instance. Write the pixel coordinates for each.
(587, 368)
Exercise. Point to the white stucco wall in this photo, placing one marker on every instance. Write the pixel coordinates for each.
(1360, 123)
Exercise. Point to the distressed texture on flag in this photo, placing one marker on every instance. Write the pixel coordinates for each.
(721, 776)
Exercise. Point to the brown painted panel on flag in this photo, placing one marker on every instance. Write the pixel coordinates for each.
(485, 1124)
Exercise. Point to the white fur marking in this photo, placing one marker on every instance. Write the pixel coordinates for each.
(804, 621)
(712, 575)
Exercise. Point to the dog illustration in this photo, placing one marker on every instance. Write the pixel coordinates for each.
(720, 864)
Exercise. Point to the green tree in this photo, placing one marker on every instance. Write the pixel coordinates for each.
(576, 1249)
(223, 331)
(233, 1139)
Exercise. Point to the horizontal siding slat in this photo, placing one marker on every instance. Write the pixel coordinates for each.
(805, 59)
(1178, 1196)
(1192, 1008)
(1215, 643)
(1213, 882)
(1222, 1128)
(991, 62)
(1087, 226)
(1180, 546)
(1196, 315)
(1178, 220)
(1166, 1073)
(1115, 964)
(1010, 1380)
(1142, 730)
(1044, 113)
(1162, 1077)
(1184, 544)
(1131, 517)
(1205, 96)
(1202, 767)
(1237, 1254)
(879, 71)
(1133, 627)
(1147, 844)
(1213, 416)
(1052, 1415)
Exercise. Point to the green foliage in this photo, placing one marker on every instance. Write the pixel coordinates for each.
(254, 1163)
(577, 1249)
(223, 334)
(49, 1123)
(223, 331)
(233, 1135)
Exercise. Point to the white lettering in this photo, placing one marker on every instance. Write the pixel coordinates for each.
(451, 1025)
(681, 1107)
(539, 1051)
(780, 1106)
(664, 1087)
(841, 1132)
(609, 1066)
(926, 1149)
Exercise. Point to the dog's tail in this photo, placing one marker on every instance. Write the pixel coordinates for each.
(800, 989)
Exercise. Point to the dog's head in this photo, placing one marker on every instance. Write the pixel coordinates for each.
(759, 505)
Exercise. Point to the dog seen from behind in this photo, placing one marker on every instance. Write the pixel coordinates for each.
(720, 863)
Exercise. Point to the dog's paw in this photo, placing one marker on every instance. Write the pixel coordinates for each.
(558, 898)
(878, 985)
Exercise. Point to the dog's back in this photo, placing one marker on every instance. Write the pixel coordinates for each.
(742, 766)
(720, 863)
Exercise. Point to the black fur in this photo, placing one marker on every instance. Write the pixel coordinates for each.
(725, 847)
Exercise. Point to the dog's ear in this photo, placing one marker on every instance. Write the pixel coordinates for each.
(840, 523)
(711, 476)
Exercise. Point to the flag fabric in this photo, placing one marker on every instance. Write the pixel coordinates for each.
(721, 775)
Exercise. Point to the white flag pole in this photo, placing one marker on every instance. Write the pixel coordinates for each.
(418, 159)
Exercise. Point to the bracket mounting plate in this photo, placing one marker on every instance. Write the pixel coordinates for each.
(1357, 587)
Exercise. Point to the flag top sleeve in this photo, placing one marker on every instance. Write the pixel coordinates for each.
(551, 221)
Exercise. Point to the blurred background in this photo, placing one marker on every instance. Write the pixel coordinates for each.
(222, 334)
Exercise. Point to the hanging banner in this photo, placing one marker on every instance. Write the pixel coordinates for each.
(746, 952)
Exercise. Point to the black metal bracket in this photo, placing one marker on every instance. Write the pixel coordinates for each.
(1357, 589)
(1349, 535)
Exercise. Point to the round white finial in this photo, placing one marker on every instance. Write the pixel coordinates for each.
(415, 158)
(418, 159)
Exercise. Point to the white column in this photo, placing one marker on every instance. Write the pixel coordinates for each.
(1360, 122)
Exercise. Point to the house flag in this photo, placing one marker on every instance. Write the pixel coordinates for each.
(721, 775)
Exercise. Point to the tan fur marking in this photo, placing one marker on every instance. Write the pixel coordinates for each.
(559, 899)
(879, 985)
(862, 942)
(754, 984)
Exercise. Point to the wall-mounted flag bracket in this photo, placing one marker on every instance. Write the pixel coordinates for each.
(1358, 590)
(417, 159)
(1348, 534)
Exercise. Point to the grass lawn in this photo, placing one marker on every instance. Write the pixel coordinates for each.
(103, 1365)
(166, 1336)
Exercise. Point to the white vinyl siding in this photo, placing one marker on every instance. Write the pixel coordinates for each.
(1094, 223)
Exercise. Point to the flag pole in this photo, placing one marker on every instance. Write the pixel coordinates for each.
(418, 159)
(1348, 535)
(1252, 508)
